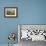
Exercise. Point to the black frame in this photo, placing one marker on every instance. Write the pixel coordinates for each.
(11, 16)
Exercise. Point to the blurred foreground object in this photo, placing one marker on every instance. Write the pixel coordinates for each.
(11, 37)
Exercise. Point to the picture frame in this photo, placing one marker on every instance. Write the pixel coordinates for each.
(10, 12)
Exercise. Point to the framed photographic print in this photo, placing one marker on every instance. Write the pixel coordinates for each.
(11, 12)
